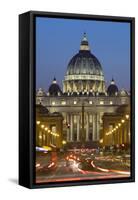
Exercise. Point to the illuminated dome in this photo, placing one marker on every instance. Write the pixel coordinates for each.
(84, 63)
(112, 89)
(84, 71)
(54, 88)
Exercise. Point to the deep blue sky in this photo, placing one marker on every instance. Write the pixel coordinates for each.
(57, 40)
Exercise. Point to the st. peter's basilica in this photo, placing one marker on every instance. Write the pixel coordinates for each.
(88, 111)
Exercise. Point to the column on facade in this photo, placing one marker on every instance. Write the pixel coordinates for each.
(120, 135)
(111, 139)
(74, 86)
(98, 126)
(43, 139)
(94, 127)
(81, 85)
(78, 128)
(123, 130)
(68, 122)
(67, 86)
(87, 127)
(125, 133)
(100, 87)
(116, 137)
(37, 135)
(64, 86)
(90, 122)
(88, 86)
(40, 138)
(51, 139)
(129, 132)
(71, 128)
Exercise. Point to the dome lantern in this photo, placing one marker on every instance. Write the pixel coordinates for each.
(84, 44)
(54, 80)
(112, 82)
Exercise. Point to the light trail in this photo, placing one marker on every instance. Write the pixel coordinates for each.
(92, 163)
(110, 170)
(101, 169)
(80, 174)
(51, 164)
(82, 171)
(121, 172)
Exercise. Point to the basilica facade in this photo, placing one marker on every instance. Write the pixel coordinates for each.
(84, 98)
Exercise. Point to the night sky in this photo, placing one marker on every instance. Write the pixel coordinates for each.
(57, 40)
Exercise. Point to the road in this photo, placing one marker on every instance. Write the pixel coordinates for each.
(72, 167)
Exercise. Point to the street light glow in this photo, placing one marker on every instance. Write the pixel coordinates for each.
(63, 102)
(64, 142)
(38, 122)
(42, 126)
(127, 116)
(53, 103)
(101, 102)
(40, 136)
(101, 141)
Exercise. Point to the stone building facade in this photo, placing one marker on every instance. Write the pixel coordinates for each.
(116, 128)
(48, 128)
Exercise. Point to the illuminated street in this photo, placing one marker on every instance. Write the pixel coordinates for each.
(78, 166)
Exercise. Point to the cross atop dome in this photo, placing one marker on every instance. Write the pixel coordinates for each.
(54, 80)
(112, 81)
(84, 43)
(84, 37)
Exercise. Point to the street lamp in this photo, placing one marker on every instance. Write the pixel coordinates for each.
(119, 124)
(46, 128)
(101, 141)
(64, 142)
(42, 126)
(127, 116)
(38, 122)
